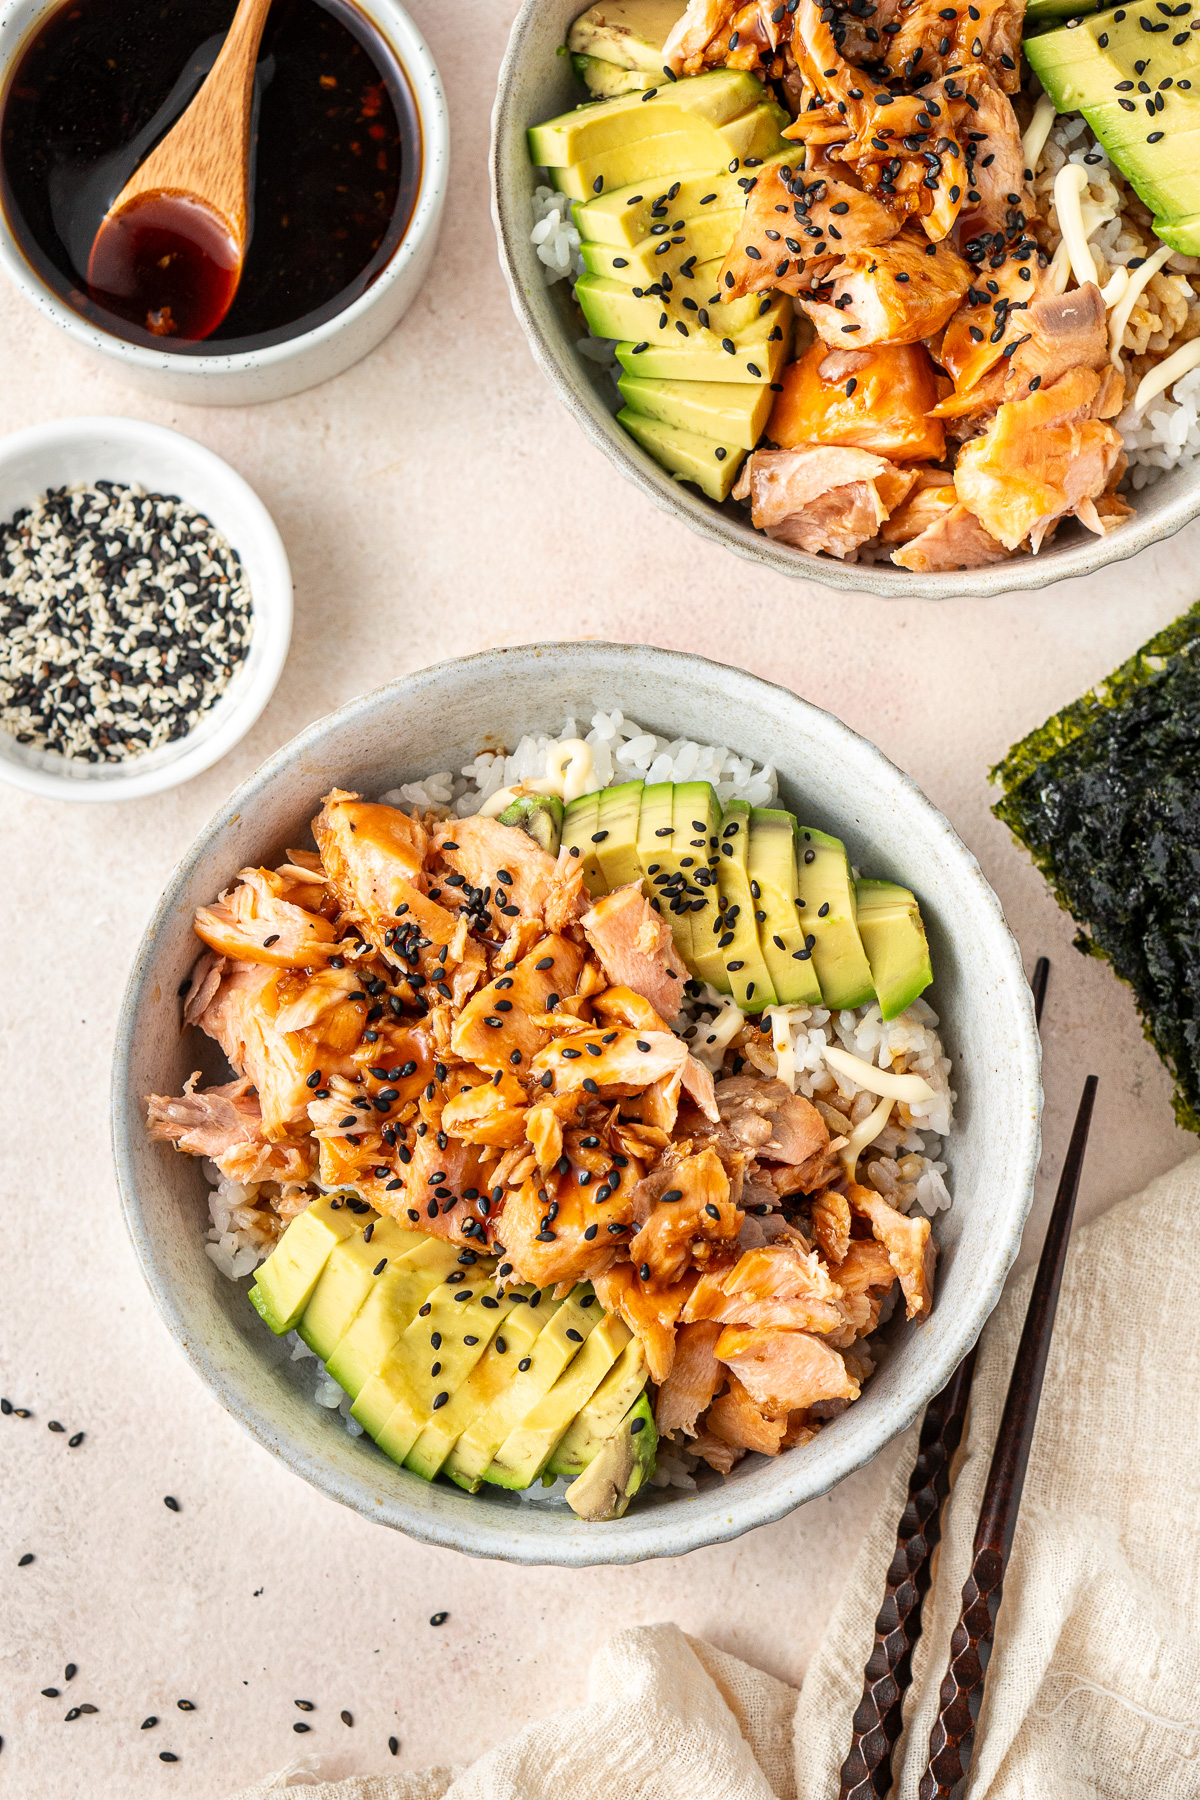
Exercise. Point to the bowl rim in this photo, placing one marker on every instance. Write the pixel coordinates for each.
(276, 625)
(570, 381)
(679, 1527)
(417, 62)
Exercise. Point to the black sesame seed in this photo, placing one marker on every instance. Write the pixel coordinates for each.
(439, 1618)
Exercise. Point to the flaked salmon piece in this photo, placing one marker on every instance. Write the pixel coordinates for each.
(203, 983)
(636, 950)
(1042, 457)
(400, 1062)
(875, 399)
(617, 1062)
(776, 246)
(988, 31)
(621, 1006)
(736, 1418)
(374, 857)
(716, 1452)
(831, 1227)
(956, 539)
(501, 862)
(779, 1286)
(490, 1113)
(766, 1119)
(896, 294)
(786, 1370)
(544, 1131)
(701, 1213)
(1109, 511)
(1066, 331)
(225, 1124)
(932, 496)
(650, 1313)
(254, 923)
(909, 1243)
(512, 1002)
(1041, 336)
(694, 1379)
(976, 337)
(240, 1017)
(700, 38)
(315, 998)
(821, 498)
(865, 1265)
(993, 152)
(546, 1245)
(568, 899)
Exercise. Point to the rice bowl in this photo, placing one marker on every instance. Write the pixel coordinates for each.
(259, 1380)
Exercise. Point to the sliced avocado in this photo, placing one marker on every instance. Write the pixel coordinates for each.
(389, 1309)
(347, 1279)
(283, 1284)
(772, 869)
(826, 909)
(712, 466)
(629, 33)
(595, 1423)
(696, 816)
(490, 1376)
(754, 133)
(581, 822)
(709, 234)
(526, 1451)
(732, 412)
(406, 1376)
(1101, 66)
(893, 936)
(619, 1469)
(548, 1324)
(749, 978)
(628, 215)
(700, 104)
(662, 874)
(540, 816)
(760, 351)
(613, 310)
(605, 80)
(617, 834)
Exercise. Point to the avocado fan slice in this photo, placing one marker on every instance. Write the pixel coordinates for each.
(581, 822)
(347, 1279)
(696, 817)
(621, 1467)
(617, 833)
(397, 1400)
(526, 1451)
(540, 816)
(595, 1422)
(749, 978)
(662, 869)
(893, 936)
(826, 907)
(283, 1284)
(771, 866)
(630, 34)
(389, 1309)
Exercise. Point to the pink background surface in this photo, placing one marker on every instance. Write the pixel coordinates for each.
(434, 500)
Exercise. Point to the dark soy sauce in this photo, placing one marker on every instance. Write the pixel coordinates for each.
(167, 264)
(334, 173)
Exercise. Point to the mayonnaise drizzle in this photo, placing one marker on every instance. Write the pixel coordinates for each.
(865, 1134)
(876, 1081)
(568, 774)
(1037, 131)
(1070, 185)
(1161, 377)
(1128, 300)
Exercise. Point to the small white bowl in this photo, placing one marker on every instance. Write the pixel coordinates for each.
(280, 369)
(127, 450)
(436, 719)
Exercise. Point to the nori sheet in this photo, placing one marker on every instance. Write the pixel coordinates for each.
(1106, 799)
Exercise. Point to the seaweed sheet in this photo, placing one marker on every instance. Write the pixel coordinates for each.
(1106, 799)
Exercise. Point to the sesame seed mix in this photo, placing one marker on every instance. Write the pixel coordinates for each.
(123, 617)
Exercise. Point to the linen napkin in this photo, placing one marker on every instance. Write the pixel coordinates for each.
(1094, 1686)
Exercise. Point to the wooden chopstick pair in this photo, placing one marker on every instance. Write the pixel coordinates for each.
(867, 1771)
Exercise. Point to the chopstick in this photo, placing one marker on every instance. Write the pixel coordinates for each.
(952, 1738)
(867, 1771)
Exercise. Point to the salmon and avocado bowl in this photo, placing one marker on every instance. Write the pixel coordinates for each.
(585, 1114)
(892, 282)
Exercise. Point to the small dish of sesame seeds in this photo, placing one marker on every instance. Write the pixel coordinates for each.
(145, 609)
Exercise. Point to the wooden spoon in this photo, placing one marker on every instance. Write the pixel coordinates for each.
(169, 251)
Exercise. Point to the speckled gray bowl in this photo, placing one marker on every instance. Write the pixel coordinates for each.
(535, 84)
(438, 719)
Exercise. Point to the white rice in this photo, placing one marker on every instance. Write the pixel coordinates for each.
(554, 237)
(621, 751)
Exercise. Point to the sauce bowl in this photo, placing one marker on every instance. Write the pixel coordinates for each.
(438, 719)
(276, 370)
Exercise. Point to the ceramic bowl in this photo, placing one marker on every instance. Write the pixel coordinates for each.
(301, 362)
(536, 83)
(128, 450)
(439, 719)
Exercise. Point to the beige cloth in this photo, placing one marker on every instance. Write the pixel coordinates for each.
(1094, 1688)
